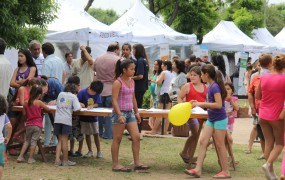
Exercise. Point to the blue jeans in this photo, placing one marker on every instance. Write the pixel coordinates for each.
(47, 128)
(106, 131)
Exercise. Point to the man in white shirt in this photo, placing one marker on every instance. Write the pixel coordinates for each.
(35, 48)
(6, 70)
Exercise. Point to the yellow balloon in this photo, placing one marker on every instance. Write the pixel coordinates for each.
(180, 113)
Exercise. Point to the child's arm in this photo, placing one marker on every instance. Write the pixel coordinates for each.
(93, 106)
(9, 132)
(115, 93)
(135, 107)
(184, 90)
(43, 106)
(234, 104)
(218, 104)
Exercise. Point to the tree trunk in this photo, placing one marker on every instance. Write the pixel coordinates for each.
(174, 14)
(89, 4)
(151, 6)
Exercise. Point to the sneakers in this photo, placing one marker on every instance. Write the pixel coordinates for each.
(88, 155)
(68, 163)
(21, 159)
(99, 155)
(31, 160)
(57, 163)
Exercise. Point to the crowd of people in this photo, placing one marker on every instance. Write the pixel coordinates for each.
(120, 82)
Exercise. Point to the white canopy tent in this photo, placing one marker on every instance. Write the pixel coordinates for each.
(280, 37)
(149, 29)
(226, 36)
(74, 25)
(263, 36)
(73, 22)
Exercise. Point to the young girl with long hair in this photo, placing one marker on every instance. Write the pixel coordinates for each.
(26, 69)
(194, 90)
(33, 111)
(124, 101)
(216, 125)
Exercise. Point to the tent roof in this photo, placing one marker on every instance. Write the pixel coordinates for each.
(147, 28)
(280, 37)
(74, 24)
(263, 36)
(226, 36)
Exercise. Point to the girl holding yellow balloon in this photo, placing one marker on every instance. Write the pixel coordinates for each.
(216, 125)
(194, 90)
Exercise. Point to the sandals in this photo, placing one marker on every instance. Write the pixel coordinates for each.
(141, 167)
(192, 172)
(122, 169)
(222, 175)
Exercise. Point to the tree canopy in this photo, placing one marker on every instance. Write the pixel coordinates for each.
(25, 20)
(275, 19)
(105, 16)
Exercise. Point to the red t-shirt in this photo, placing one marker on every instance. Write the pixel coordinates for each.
(252, 89)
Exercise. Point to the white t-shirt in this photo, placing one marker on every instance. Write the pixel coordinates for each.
(166, 82)
(6, 72)
(84, 72)
(66, 104)
(3, 121)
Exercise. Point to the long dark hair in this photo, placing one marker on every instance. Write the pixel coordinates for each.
(180, 66)
(120, 66)
(35, 91)
(159, 62)
(140, 52)
(217, 76)
(168, 65)
(220, 63)
(29, 59)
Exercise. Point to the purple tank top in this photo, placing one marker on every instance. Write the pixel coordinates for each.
(23, 75)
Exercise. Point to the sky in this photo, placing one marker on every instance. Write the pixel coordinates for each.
(120, 6)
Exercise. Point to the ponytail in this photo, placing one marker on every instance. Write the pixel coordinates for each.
(220, 81)
(120, 66)
(118, 71)
(217, 76)
(35, 91)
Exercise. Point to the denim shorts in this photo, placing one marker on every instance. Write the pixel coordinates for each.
(219, 125)
(129, 115)
(62, 129)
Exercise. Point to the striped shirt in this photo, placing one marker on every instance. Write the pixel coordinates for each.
(125, 98)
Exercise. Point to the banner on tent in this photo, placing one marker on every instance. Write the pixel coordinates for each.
(243, 63)
(164, 51)
(200, 50)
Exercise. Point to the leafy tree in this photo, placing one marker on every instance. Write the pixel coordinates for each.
(246, 14)
(105, 16)
(197, 16)
(275, 18)
(25, 20)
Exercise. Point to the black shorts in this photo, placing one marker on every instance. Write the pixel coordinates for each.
(259, 132)
(164, 98)
(62, 129)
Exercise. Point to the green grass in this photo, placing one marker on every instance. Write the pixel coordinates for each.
(162, 154)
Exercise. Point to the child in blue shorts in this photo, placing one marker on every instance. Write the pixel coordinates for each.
(216, 125)
(67, 102)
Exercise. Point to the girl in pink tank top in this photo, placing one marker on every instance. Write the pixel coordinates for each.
(124, 103)
(34, 125)
(194, 90)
